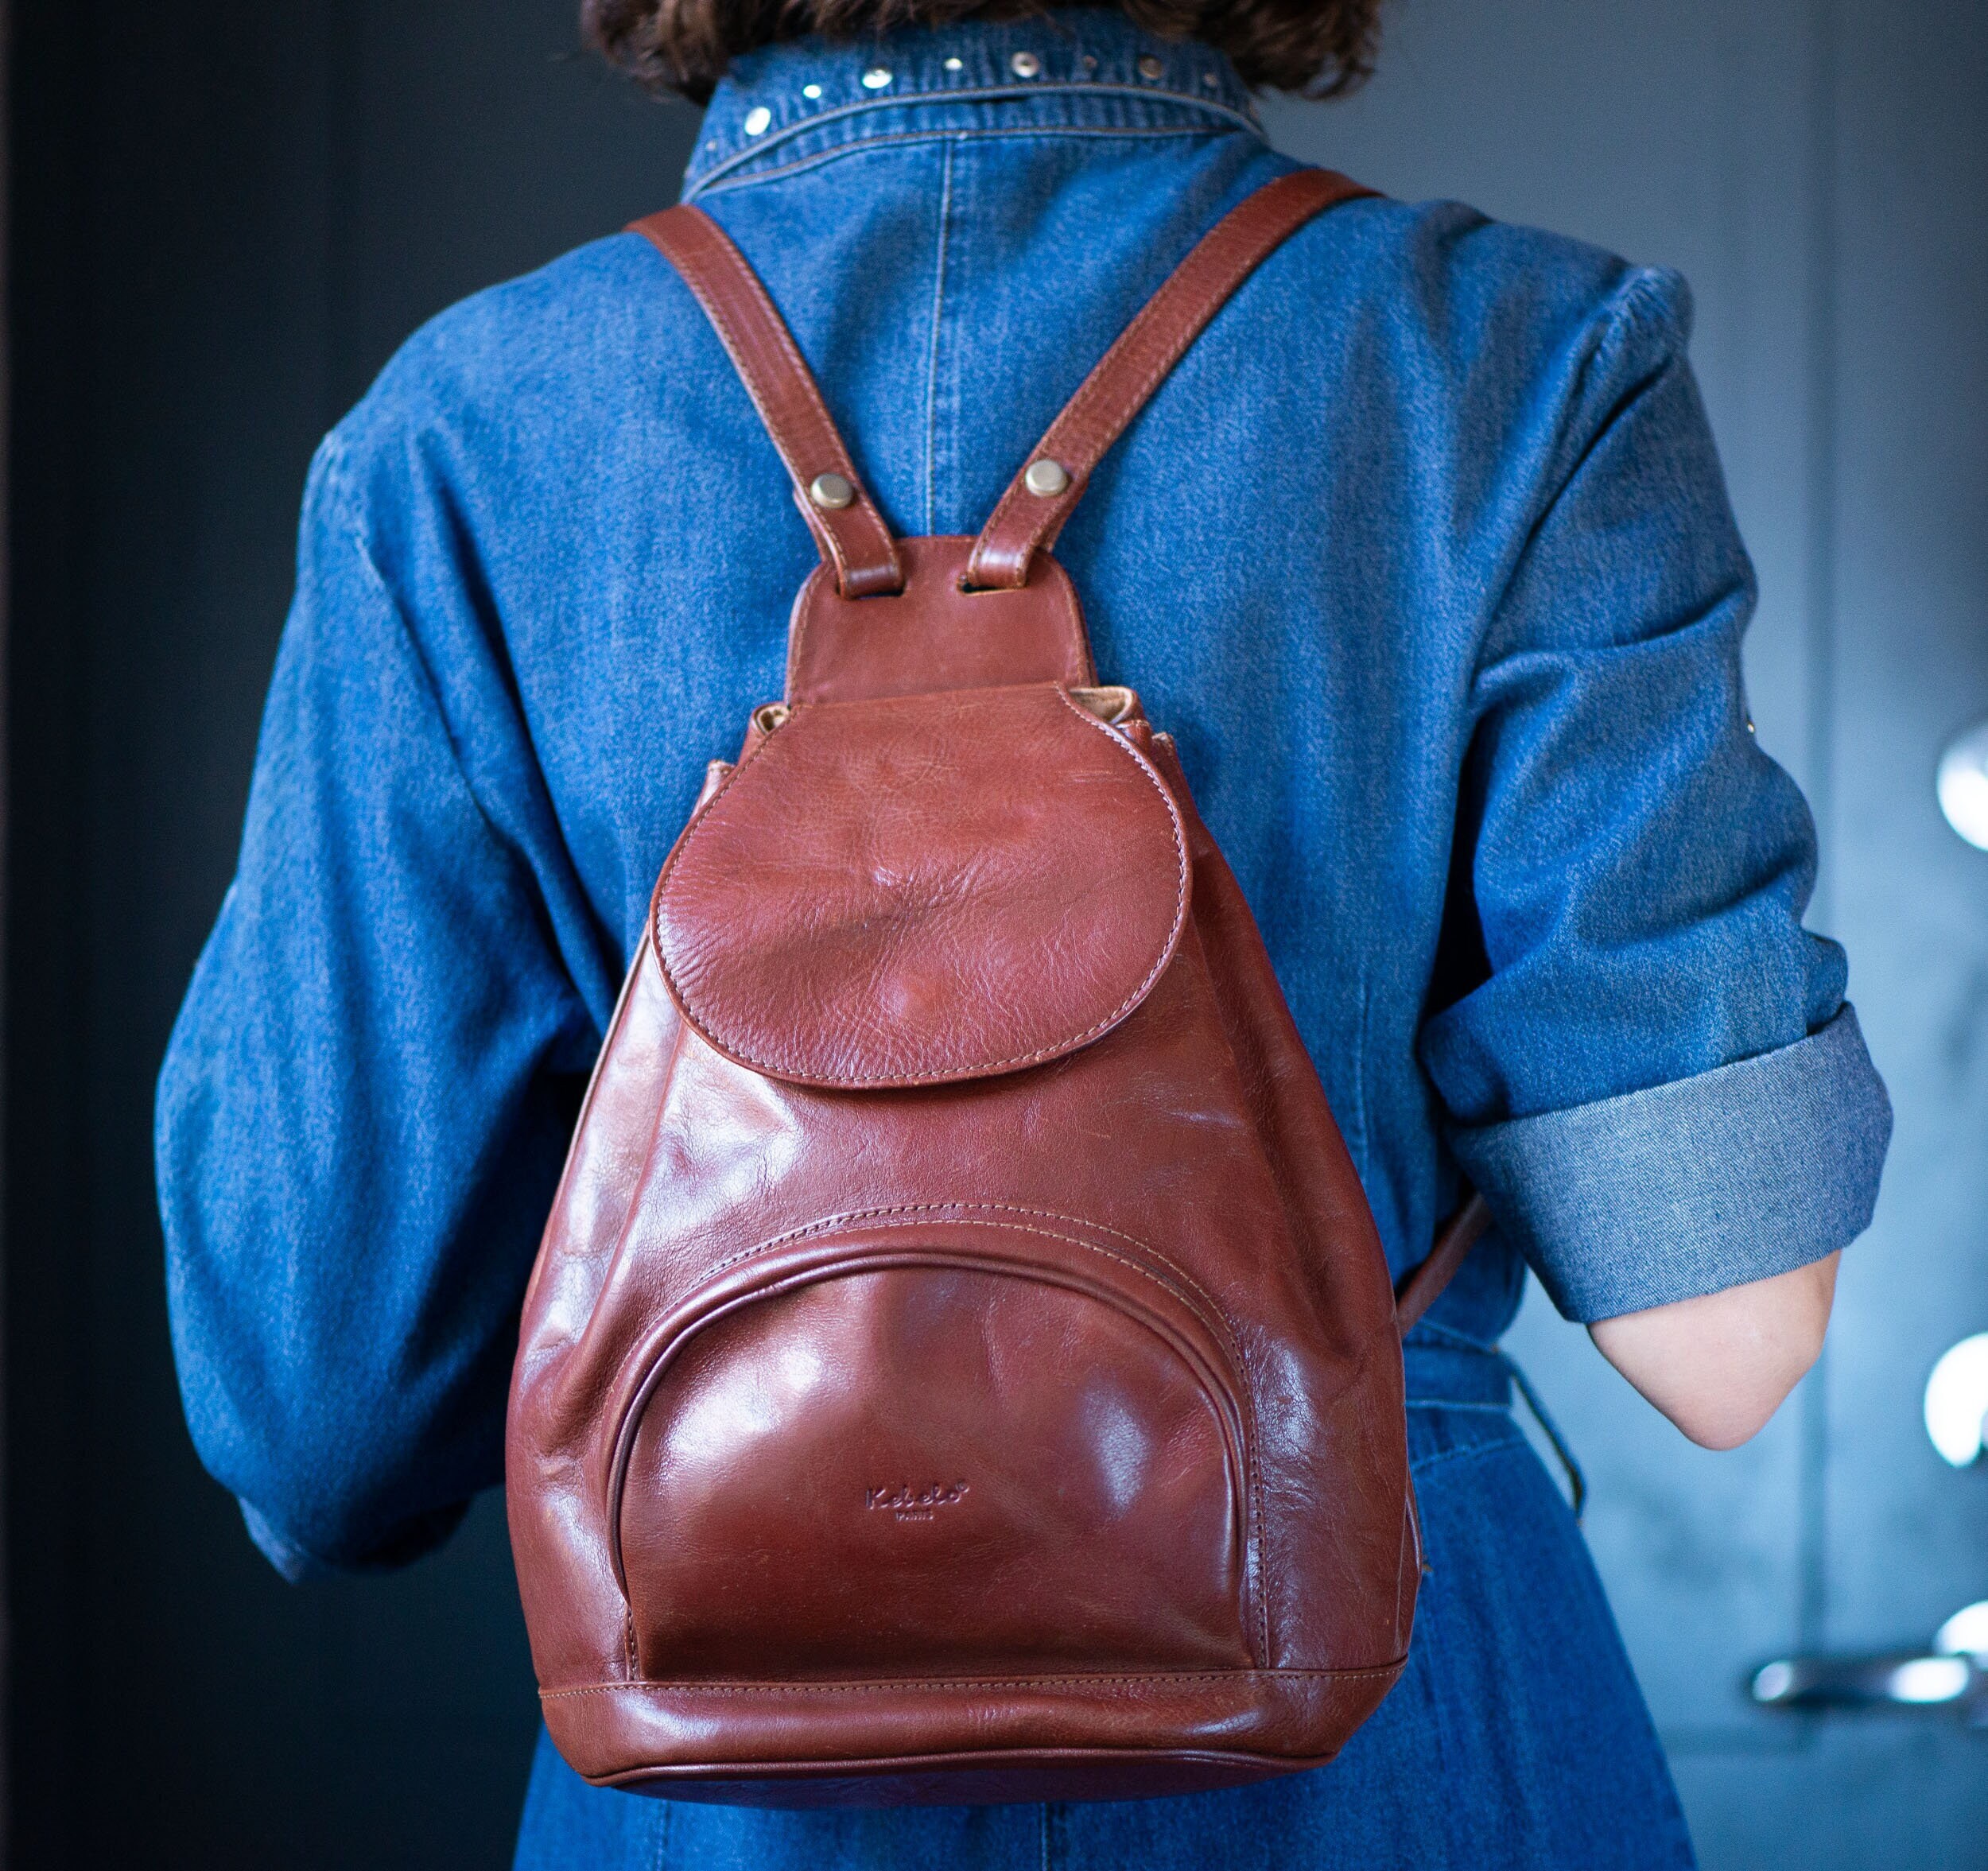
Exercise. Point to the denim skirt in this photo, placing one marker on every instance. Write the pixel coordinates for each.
(1517, 1739)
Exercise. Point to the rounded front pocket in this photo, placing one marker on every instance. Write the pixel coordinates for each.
(872, 1456)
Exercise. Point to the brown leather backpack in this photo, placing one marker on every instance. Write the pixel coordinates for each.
(961, 1365)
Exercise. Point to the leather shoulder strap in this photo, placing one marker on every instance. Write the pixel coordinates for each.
(1421, 1286)
(1040, 498)
(846, 524)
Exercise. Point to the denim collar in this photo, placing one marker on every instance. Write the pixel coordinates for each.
(1089, 68)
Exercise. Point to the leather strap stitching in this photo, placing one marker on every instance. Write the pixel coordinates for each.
(1162, 1677)
(854, 541)
(1108, 400)
(700, 1021)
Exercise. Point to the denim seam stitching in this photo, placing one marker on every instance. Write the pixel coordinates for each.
(334, 456)
(1477, 1452)
(903, 138)
(1359, 1062)
(1615, 325)
(932, 355)
(977, 95)
(1461, 1340)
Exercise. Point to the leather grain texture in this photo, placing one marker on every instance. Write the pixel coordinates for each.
(938, 635)
(922, 889)
(960, 1365)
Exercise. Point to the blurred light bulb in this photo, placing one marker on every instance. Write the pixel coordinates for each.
(1774, 1682)
(1957, 1400)
(1931, 1679)
(1966, 1632)
(1963, 785)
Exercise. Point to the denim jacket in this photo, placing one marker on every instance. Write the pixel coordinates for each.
(1423, 554)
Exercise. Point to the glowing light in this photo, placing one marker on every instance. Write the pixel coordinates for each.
(1931, 1679)
(1957, 1400)
(1966, 1632)
(1772, 1681)
(1963, 786)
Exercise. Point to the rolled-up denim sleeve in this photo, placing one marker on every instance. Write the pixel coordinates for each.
(1655, 1080)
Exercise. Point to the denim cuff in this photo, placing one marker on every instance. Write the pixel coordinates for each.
(1689, 1188)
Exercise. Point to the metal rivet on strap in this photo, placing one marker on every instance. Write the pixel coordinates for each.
(1150, 67)
(1025, 65)
(831, 490)
(1045, 478)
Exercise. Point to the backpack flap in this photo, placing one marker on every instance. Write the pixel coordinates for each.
(922, 890)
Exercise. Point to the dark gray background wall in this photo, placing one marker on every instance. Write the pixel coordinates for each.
(224, 217)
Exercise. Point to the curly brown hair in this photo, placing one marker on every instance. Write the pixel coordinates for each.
(1318, 47)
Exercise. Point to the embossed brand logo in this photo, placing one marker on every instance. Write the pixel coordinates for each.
(908, 1503)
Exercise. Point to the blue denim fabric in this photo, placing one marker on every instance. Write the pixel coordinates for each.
(1423, 553)
(1772, 1141)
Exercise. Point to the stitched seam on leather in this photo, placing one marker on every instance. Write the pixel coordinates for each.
(1218, 1317)
(1066, 594)
(826, 537)
(1224, 1331)
(957, 1683)
(979, 1068)
(1198, 312)
(1191, 307)
(827, 527)
(835, 1222)
(820, 524)
(797, 634)
(689, 264)
(1222, 1335)
(1219, 249)
(731, 338)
